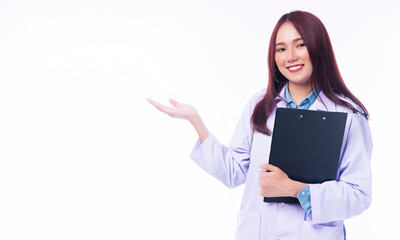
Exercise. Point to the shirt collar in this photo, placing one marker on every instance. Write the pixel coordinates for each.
(322, 102)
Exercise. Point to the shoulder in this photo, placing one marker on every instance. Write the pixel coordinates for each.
(350, 102)
(340, 108)
(352, 117)
(253, 101)
(359, 114)
(256, 98)
(356, 120)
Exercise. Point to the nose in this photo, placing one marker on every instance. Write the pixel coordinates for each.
(292, 56)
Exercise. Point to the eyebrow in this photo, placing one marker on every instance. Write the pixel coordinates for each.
(294, 40)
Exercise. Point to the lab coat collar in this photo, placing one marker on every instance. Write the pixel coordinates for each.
(323, 103)
(280, 99)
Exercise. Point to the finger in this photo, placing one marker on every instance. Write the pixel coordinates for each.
(269, 167)
(154, 103)
(173, 102)
(261, 193)
(159, 106)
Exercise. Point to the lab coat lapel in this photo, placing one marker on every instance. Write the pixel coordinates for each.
(323, 103)
(280, 103)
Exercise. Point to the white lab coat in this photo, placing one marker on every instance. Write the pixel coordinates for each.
(331, 201)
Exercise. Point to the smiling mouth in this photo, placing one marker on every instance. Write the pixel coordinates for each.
(295, 68)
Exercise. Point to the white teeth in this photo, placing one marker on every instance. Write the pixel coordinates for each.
(295, 67)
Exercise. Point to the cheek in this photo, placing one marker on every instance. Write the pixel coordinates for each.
(279, 61)
(311, 69)
(304, 55)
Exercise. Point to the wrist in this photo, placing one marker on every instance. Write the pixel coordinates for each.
(198, 124)
(296, 187)
(194, 119)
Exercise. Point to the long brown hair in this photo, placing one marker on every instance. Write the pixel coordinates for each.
(325, 73)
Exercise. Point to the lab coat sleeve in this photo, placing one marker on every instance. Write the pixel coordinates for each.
(228, 164)
(351, 194)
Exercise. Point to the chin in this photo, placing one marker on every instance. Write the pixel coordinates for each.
(300, 82)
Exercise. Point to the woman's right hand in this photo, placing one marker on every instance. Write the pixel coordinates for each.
(179, 110)
(184, 111)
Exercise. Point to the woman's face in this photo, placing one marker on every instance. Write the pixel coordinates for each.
(291, 55)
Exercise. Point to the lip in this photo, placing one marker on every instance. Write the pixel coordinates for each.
(297, 69)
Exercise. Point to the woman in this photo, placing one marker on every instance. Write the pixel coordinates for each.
(303, 74)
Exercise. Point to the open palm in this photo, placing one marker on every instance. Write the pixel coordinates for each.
(179, 110)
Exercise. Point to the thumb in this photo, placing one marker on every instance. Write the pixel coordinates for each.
(269, 167)
(173, 102)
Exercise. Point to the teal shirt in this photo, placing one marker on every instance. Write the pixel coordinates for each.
(304, 195)
(305, 104)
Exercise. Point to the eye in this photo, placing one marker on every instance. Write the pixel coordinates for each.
(280, 49)
(301, 45)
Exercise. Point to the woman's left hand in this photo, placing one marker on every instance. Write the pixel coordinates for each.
(276, 183)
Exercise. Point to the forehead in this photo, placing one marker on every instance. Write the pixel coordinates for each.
(287, 33)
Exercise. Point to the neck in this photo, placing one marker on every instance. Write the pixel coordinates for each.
(299, 92)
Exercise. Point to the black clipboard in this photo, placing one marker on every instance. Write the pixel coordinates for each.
(306, 145)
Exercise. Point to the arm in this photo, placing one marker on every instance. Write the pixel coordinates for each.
(331, 200)
(275, 183)
(350, 195)
(228, 164)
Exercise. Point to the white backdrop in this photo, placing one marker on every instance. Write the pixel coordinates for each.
(84, 156)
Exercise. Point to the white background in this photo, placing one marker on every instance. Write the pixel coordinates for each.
(84, 156)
